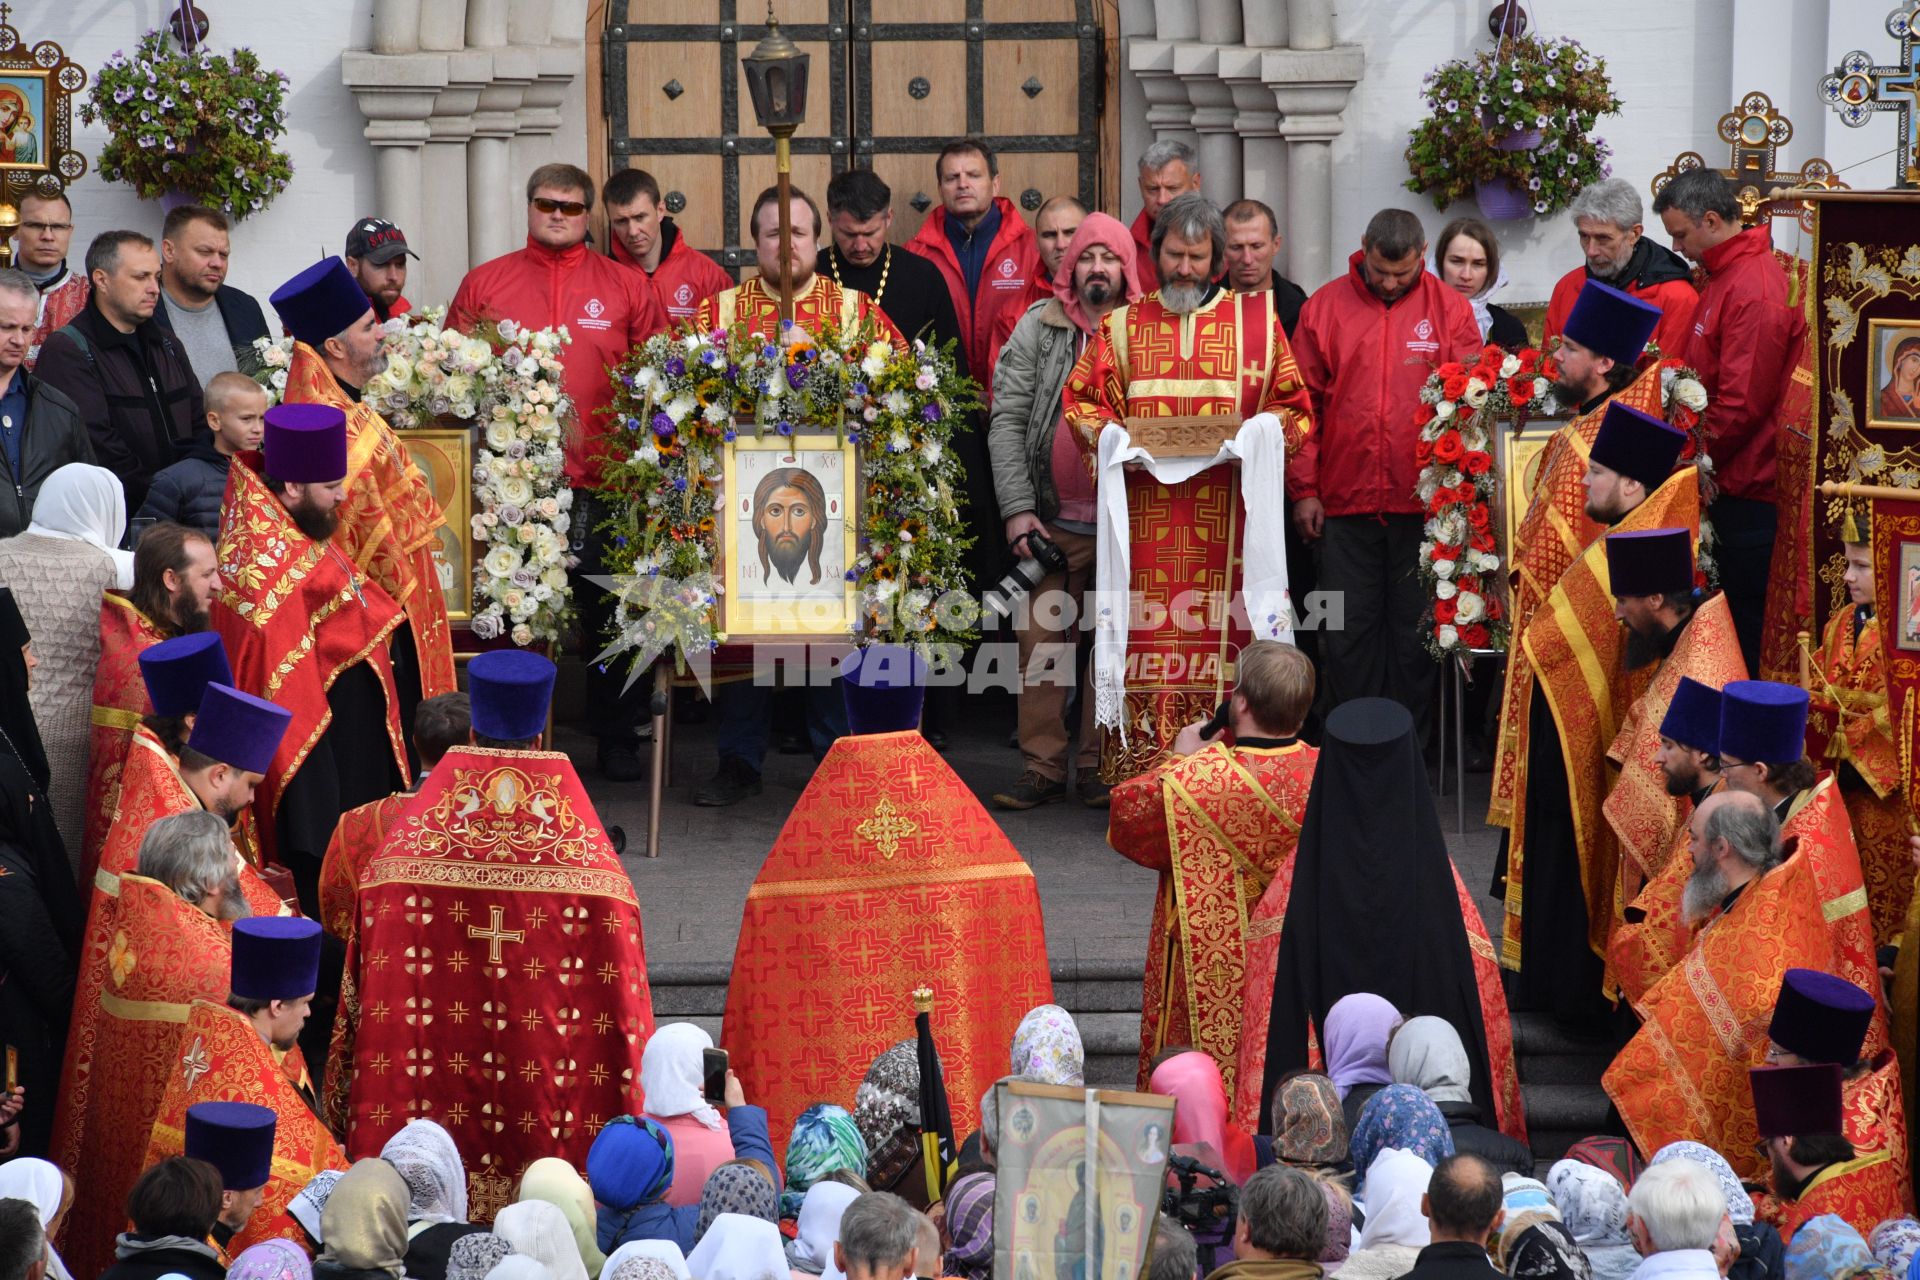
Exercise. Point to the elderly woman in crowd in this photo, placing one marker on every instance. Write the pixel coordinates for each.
(50, 1192)
(1309, 1126)
(737, 1247)
(1357, 1031)
(673, 1078)
(1395, 1229)
(1193, 1081)
(429, 1163)
(1428, 1054)
(364, 1225)
(1762, 1255)
(1593, 1205)
(738, 1186)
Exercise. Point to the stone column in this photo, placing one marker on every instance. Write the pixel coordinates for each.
(447, 252)
(1257, 124)
(1310, 87)
(1198, 66)
(1264, 23)
(1169, 113)
(443, 25)
(1176, 20)
(556, 67)
(396, 94)
(1219, 22)
(1310, 24)
(494, 191)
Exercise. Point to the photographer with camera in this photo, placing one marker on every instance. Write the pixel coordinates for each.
(1282, 1228)
(1046, 495)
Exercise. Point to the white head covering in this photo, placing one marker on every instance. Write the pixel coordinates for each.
(311, 1200)
(518, 1266)
(819, 1226)
(84, 503)
(671, 1074)
(426, 1157)
(41, 1185)
(739, 1247)
(541, 1231)
(1426, 1053)
(664, 1250)
(1484, 299)
(1395, 1183)
(1047, 1044)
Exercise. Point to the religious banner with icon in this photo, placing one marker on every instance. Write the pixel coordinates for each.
(38, 83)
(1079, 1180)
(1861, 88)
(445, 457)
(787, 536)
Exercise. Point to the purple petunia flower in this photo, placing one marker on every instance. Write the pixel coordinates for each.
(662, 425)
(796, 376)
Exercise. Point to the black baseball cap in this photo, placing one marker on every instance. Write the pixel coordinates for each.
(378, 241)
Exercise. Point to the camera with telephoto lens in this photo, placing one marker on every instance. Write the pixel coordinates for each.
(1208, 1213)
(1043, 556)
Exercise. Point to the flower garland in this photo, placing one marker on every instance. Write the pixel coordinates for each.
(682, 397)
(506, 381)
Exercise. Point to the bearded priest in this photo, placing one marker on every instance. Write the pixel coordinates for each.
(388, 518)
(888, 876)
(233, 1051)
(496, 979)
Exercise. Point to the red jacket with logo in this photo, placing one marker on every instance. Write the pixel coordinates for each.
(1744, 340)
(1364, 363)
(1143, 263)
(685, 277)
(1013, 262)
(607, 308)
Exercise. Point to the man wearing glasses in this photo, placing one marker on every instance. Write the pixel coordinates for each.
(40, 250)
(608, 309)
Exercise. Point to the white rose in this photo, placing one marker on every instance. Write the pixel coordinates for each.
(522, 634)
(1509, 366)
(1443, 410)
(459, 386)
(1444, 590)
(515, 490)
(555, 578)
(501, 561)
(1447, 636)
(398, 370)
(1476, 393)
(1485, 561)
(499, 435)
(1472, 608)
(1691, 394)
(1443, 569)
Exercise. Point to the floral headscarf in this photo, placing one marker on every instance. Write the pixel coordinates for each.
(471, 1257)
(1594, 1207)
(1895, 1244)
(272, 1260)
(736, 1188)
(311, 1201)
(1739, 1203)
(1546, 1249)
(665, 1252)
(424, 1154)
(824, 1138)
(1309, 1124)
(1358, 1028)
(970, 1225)
(1826, 1248)
(639, 1268)
(1403, 1117)
(888, 1100)
(1339, 1224)
(1047, 1045)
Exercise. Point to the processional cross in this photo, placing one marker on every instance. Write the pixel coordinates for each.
(1755, 131)
(1859, 89)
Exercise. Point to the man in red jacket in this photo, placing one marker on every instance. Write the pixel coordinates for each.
(1366, 343)
(1168, 170)
(1744, 338)
(644, 236)
(1608, 217)
(608, 310)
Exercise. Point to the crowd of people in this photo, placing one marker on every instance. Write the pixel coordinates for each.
(254, 841)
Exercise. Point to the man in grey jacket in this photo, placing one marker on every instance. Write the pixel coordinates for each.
(40, 428)
(1045, 488)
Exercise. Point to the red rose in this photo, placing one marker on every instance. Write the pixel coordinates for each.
(1440, 501)
(1475, 635)
(1444, 610)
(1688, 449)
(1477, 462)
(1447, 449)
(1477, 516)
(1424, 414)
(1445, 551)
(1452, 369)
(1454, 388)
(1491, 354)
(1481, 540)
(1530, 359)
(1520, 387)
(1423, 451)
(1550, 370)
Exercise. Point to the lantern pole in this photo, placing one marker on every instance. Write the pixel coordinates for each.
(783, 179)
(777, 79)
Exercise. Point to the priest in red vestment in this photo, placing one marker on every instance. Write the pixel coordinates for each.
(888, 875)
(388, 517)
(175, 574)
(496, 980)
(1814, 1168)
(1374, 904)
(1821, 1018)
(1192, 347)
(1219, 823)
(232, 1051)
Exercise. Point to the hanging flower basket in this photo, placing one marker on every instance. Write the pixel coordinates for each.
(1514, 124)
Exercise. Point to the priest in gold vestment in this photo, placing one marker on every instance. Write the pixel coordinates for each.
(1218, 822)
(1190, 348)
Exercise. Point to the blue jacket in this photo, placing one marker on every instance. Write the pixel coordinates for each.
(190, 491)
(747, 1126)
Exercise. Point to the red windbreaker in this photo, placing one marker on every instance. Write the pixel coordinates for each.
(608, 310)
(685, 277)
(1744, 339)
(1675, 298)
(1013, 260)
(1143, 263)
(1364, 363)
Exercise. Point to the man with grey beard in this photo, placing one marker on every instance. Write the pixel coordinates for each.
(1733, 839)
(1610, 221)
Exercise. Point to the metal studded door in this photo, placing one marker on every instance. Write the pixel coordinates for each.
(892, 82)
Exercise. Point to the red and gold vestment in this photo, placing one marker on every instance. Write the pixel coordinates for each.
(356, 841)
(119, 700)
(496, 981)
(1816, 825)
(1218, 825)
(1865, 1191)
(888, 875)
(1653, 936)
(821, 302)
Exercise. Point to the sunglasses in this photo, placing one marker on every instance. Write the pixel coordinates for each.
(572, 208)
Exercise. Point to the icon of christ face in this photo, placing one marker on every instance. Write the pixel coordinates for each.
(789, 519)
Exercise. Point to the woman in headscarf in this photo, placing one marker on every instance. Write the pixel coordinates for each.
(1401, 1117)
(1310, 1126)
(673, 1078)
(738, 1186)
(665, 1252)
(364, 1225)
(1524, 1203)
(886, 1109)
(1594, 1207)
(1047, 1046)
(1358, 1029)
(539, 1230)
(639, 1268)
(429, 1163)
(1895, 1244)
(631, 1165)
(1762, 1253)
(1614, 1156)
(42, 915)
(50, 1191)
(810, 1252)
(1339, 1220)
(1426, 1053)
(1193, 1081)
(970, 1226)
(824, 1138)
(57, 568)
(473, 1256)
(1395, 1230)
(737, 1247)
(559, 1184)
(310, 1204)
(271, 1260)
(1826, 1248)
(1546, 1249)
